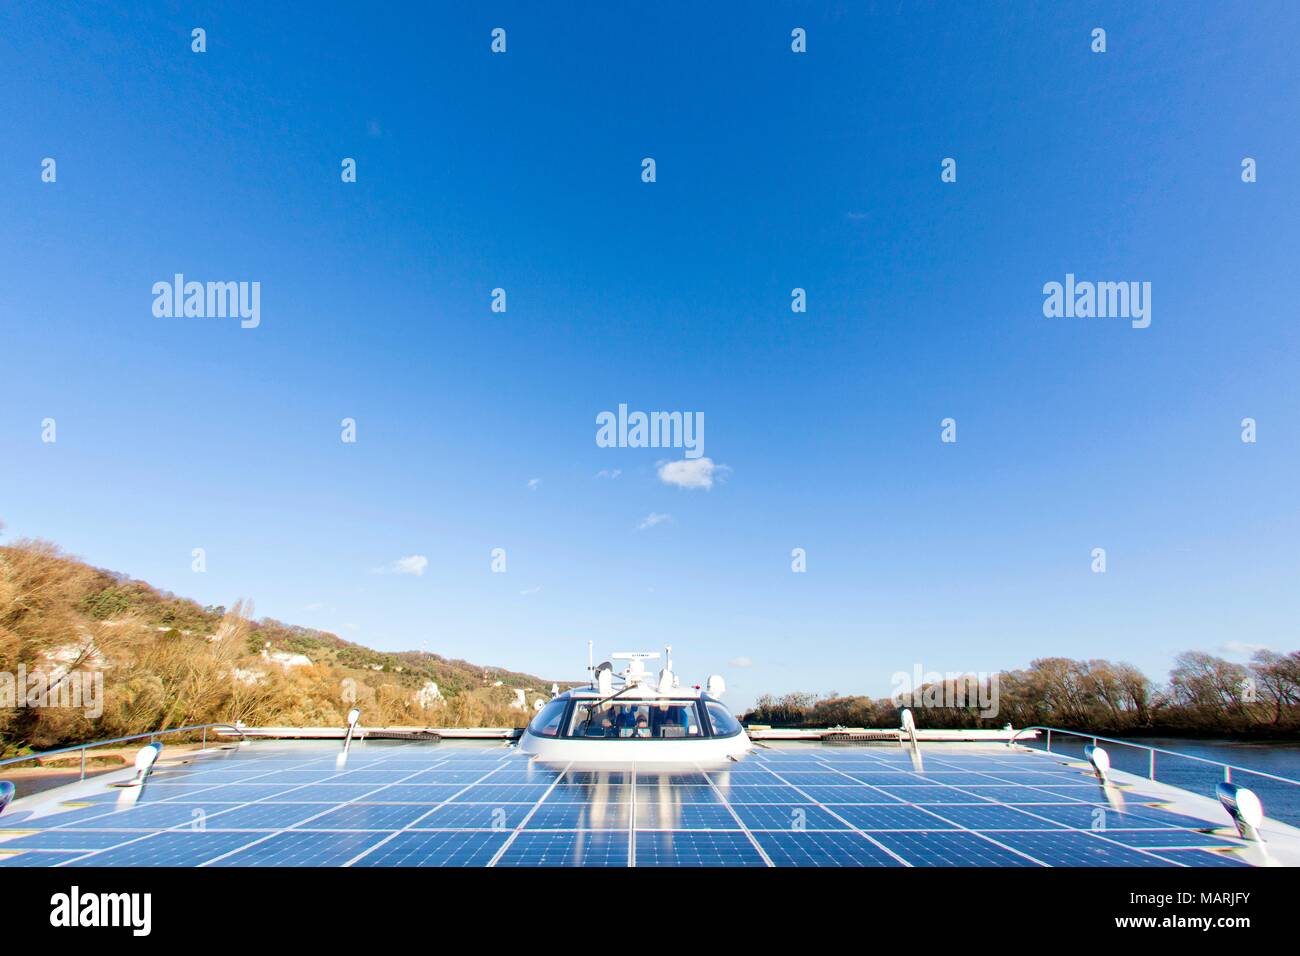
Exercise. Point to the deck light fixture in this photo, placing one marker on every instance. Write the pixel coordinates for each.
(145, 759)
(1244, 808)
(1100, 761)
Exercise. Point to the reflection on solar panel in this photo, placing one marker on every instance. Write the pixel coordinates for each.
(415, 804)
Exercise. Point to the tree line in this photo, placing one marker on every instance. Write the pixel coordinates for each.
(1205, 695)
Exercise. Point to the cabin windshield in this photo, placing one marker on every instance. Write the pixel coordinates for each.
(656, 720)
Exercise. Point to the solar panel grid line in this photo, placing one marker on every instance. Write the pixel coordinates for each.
(767, 860)
(514, 835)
(330, 809)
(847, 823)
(423, 816)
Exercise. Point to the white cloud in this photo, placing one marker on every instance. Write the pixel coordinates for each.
(411, 564)
(1241, 648)
(533, 483)
(652, 519)
(610, 473)
(314, 606)
(531, 590)
(740, 662)
(692, 472)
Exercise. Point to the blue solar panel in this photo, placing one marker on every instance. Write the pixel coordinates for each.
(506, 793)
(1171, 838)
(949, 848)
(581, 816)
(993, 817)
(418, 805)
(787, 816)
(424, 793)
(367, 816)
(1092, 817)
(1074, 848)
(296, 848)
(669, 794)
(571, 848)
(37, 858)
(762, 794)
(890, 818)
(476, 816)
(68, 840)
(695, 848)
(684, 816)
(935, 795)
(823, 849)
(1201, 858)
(436, 848)
(180, 848)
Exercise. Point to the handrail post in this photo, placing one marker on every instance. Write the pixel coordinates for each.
(1152, 772)
(1227, 774)
(204, 745)
(83, 763)
(1049, 740)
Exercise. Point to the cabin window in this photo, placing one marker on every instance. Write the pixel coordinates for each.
(724, 725)
(617, 720)
(547, 721)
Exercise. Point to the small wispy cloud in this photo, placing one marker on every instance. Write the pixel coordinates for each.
(692, 473)
(1241, 648)
(314, 606)
(535, 590)
(740, 662)
(652, 519)
(411, 564)
(534, 484)
(610, 473)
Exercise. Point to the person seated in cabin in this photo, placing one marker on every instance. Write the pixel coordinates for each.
(604, 722)
(625, 722)
(642, 728)
(670, 720)
(661, 716)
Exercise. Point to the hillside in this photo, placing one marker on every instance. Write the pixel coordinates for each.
(165, 661)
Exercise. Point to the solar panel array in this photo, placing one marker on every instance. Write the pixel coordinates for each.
(415, 804)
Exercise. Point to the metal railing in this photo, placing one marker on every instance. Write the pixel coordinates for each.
(1152, 751)
(121, 740)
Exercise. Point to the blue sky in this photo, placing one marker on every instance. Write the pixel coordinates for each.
(775, 170)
